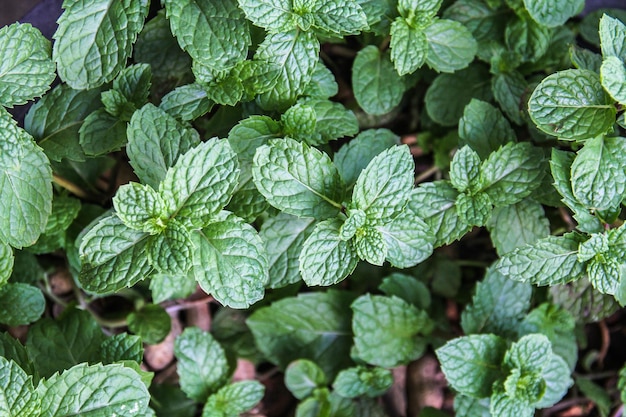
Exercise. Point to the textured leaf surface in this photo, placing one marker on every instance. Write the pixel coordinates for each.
(98, 390)
(572, 104)
(251, 133)
(17, 394)
(102, 133)
(338, 18)
(25, 185)
(202, 364)
(357, 381)
(6, 263)
(387, 330)
(471, 364)
(483, 128)
(140, 207)
(94, 39)
(612, 37)
(26, 70)
(230, 262)
(298, 179)
(151, 323)
(517, 225)
(377, 86)
(272, 15)
(26, 302)
(121, 347)
(527, 39)
(408, 239)
(333, 120)
(582, 300)
(187, 102)
(465, 169)
(613, 76)
(552, 14)
(451, 46)
(409, 47)
(170, 251)
(302, 377)
(234, 399)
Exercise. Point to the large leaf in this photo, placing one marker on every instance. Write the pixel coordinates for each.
(517, 225)
(25, 304)
(17, 394)
(553, 13)
(451, 46)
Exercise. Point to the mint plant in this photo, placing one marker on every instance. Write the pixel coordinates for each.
(212, 204)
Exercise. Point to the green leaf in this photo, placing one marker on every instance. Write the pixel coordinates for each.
(296, 53)
(251, 133)
(586, 303)
(12, 349)
(612, 37)
(333, 121)
(572, 105)
(94, 390)
(166, 287)
(55, 345)
(549, 261)
(299, 122)
(134, 83)
(466, 406)
(298, 179)
(202, 364)
(370, 245)
(509, 90)
(322, 84)
(274, 16)
(338, 18)
(234, 399)
(418, 12)
(504, 405)
(6, 263)
(483, 128)
(613, 76)
(514, 226)
(213, 32)
(585, 59)
(283, 237)
(383, 187)
(26, 302)
(599, 166)
(140, 207)
(170, 251)
(528, 40)
(360, 380)
(326, 258)
(229, 261)
(121, 347)
(113, 256)
(102, 133)
(465, 169)
(471, 364)
(26, 70)
(448, 95)
(434, 202)
(595, 393)
(94, 40)
(303, 377)
(314, 326)
(388, 331)
(151, 323)
(409, 47)
(498, 306)
(512, 173)
(377, 86)
(17, 395)
(408, 288)
(553, 14)
(169, 400)
(187, 102)
(25, 185)
(451, 46)
(247, 202)
(201, 182)
(474, 209)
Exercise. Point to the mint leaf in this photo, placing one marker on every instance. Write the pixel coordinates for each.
(25, 185)
(517, 225)
(370, 246)
(140, 207)
(409, 47)
(498, 305)
(274, 16)
(202, 364)
(170, 251)
(471, 364)
(558, 380)
(360, 380)
(474, 209)
(418, 12)
(298, 179)
(94, 39)
(247, 202)
(549, 261)
(201, 182)
(98, 390)
(151, 323)
(283, 236)
(234, 399)
(102, 133)
(333, 120)
(17, 395)
(213, 33)
(339, 19)
(509, 90)
(483, 128)
(528, 40)
(465, 169)
(251, 133)
(322, 84)
(12, 350)
(112, 256)
(287, 330)
(598, 166)
(6, 263)
(303, 377)
(229, 261)
(572, 105)
(326, 258)
(466, 406)
(26, 301)
(503, 404)
(388, 331)
(612, 75)
(585, 59)
(166, 287)
(451, 46)
(551, 14)
(121, 347)
(187, 102)
(408, 288)
(612, 37)
(26, 70)
(582, 300)
(374, 95)
(299, 122)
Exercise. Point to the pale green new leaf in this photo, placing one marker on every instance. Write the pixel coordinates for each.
(597, 173)
(272, 15)
(6, 263)
(553, 13)
(370, 245)
(234, 399)
(377, 86)
(383, 187)
(302, 377)
(418, 12)
(612, 37)
(530, 353)
(483, 128)
(558, 380)
(503, 404)
(171, 250)
(187, 102)
(155, 141)
(102, 133)
(229, 261)
(605, 276)
(94, 40)
(201, 182)
(409, 240)
(140, 207)
(26, 302)
(517, 225)
(388, 330)
(465, 169)
(17, 394)
(151, 323)
(299, 123)
(572, 105)
(25, 185)
(283, 237)
(471, 364)
(360, 380)
(26, 70)
(338, 18)
(474, 209)
(213, 32)
(325, 258)
(613, 77)
(549, 261)
(451, 46)
(97, 390)
(113, 256)
(298, 179)
(409, 47)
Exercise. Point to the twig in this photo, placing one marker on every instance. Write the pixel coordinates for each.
(188, 304)
(426, 174)
(70, 186)
(606, 341)
(564, 405)
(619, 412)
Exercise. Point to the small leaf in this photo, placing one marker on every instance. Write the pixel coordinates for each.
(357, 381)
(613, 76)
(187, 102)
(140, 207)
(26, 302)
(252, 133)
(151, 323)
(553, 14)
(170, 251)
(612, 37)
(465, 169)
(409, 47)
(408, 288)
(418, 12)
(303, 377)
(322, 84)
(234, 399)
(6, 263)
(517, 225)
(451, 46)
(333, 121)
(504, 405)
(121, 347)
(483, 128)
(339, 19)
(102, 133)
(17, 394)
(409, 240)
(474, 209)
(370, 245)
(274, 16)
(509, 90)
